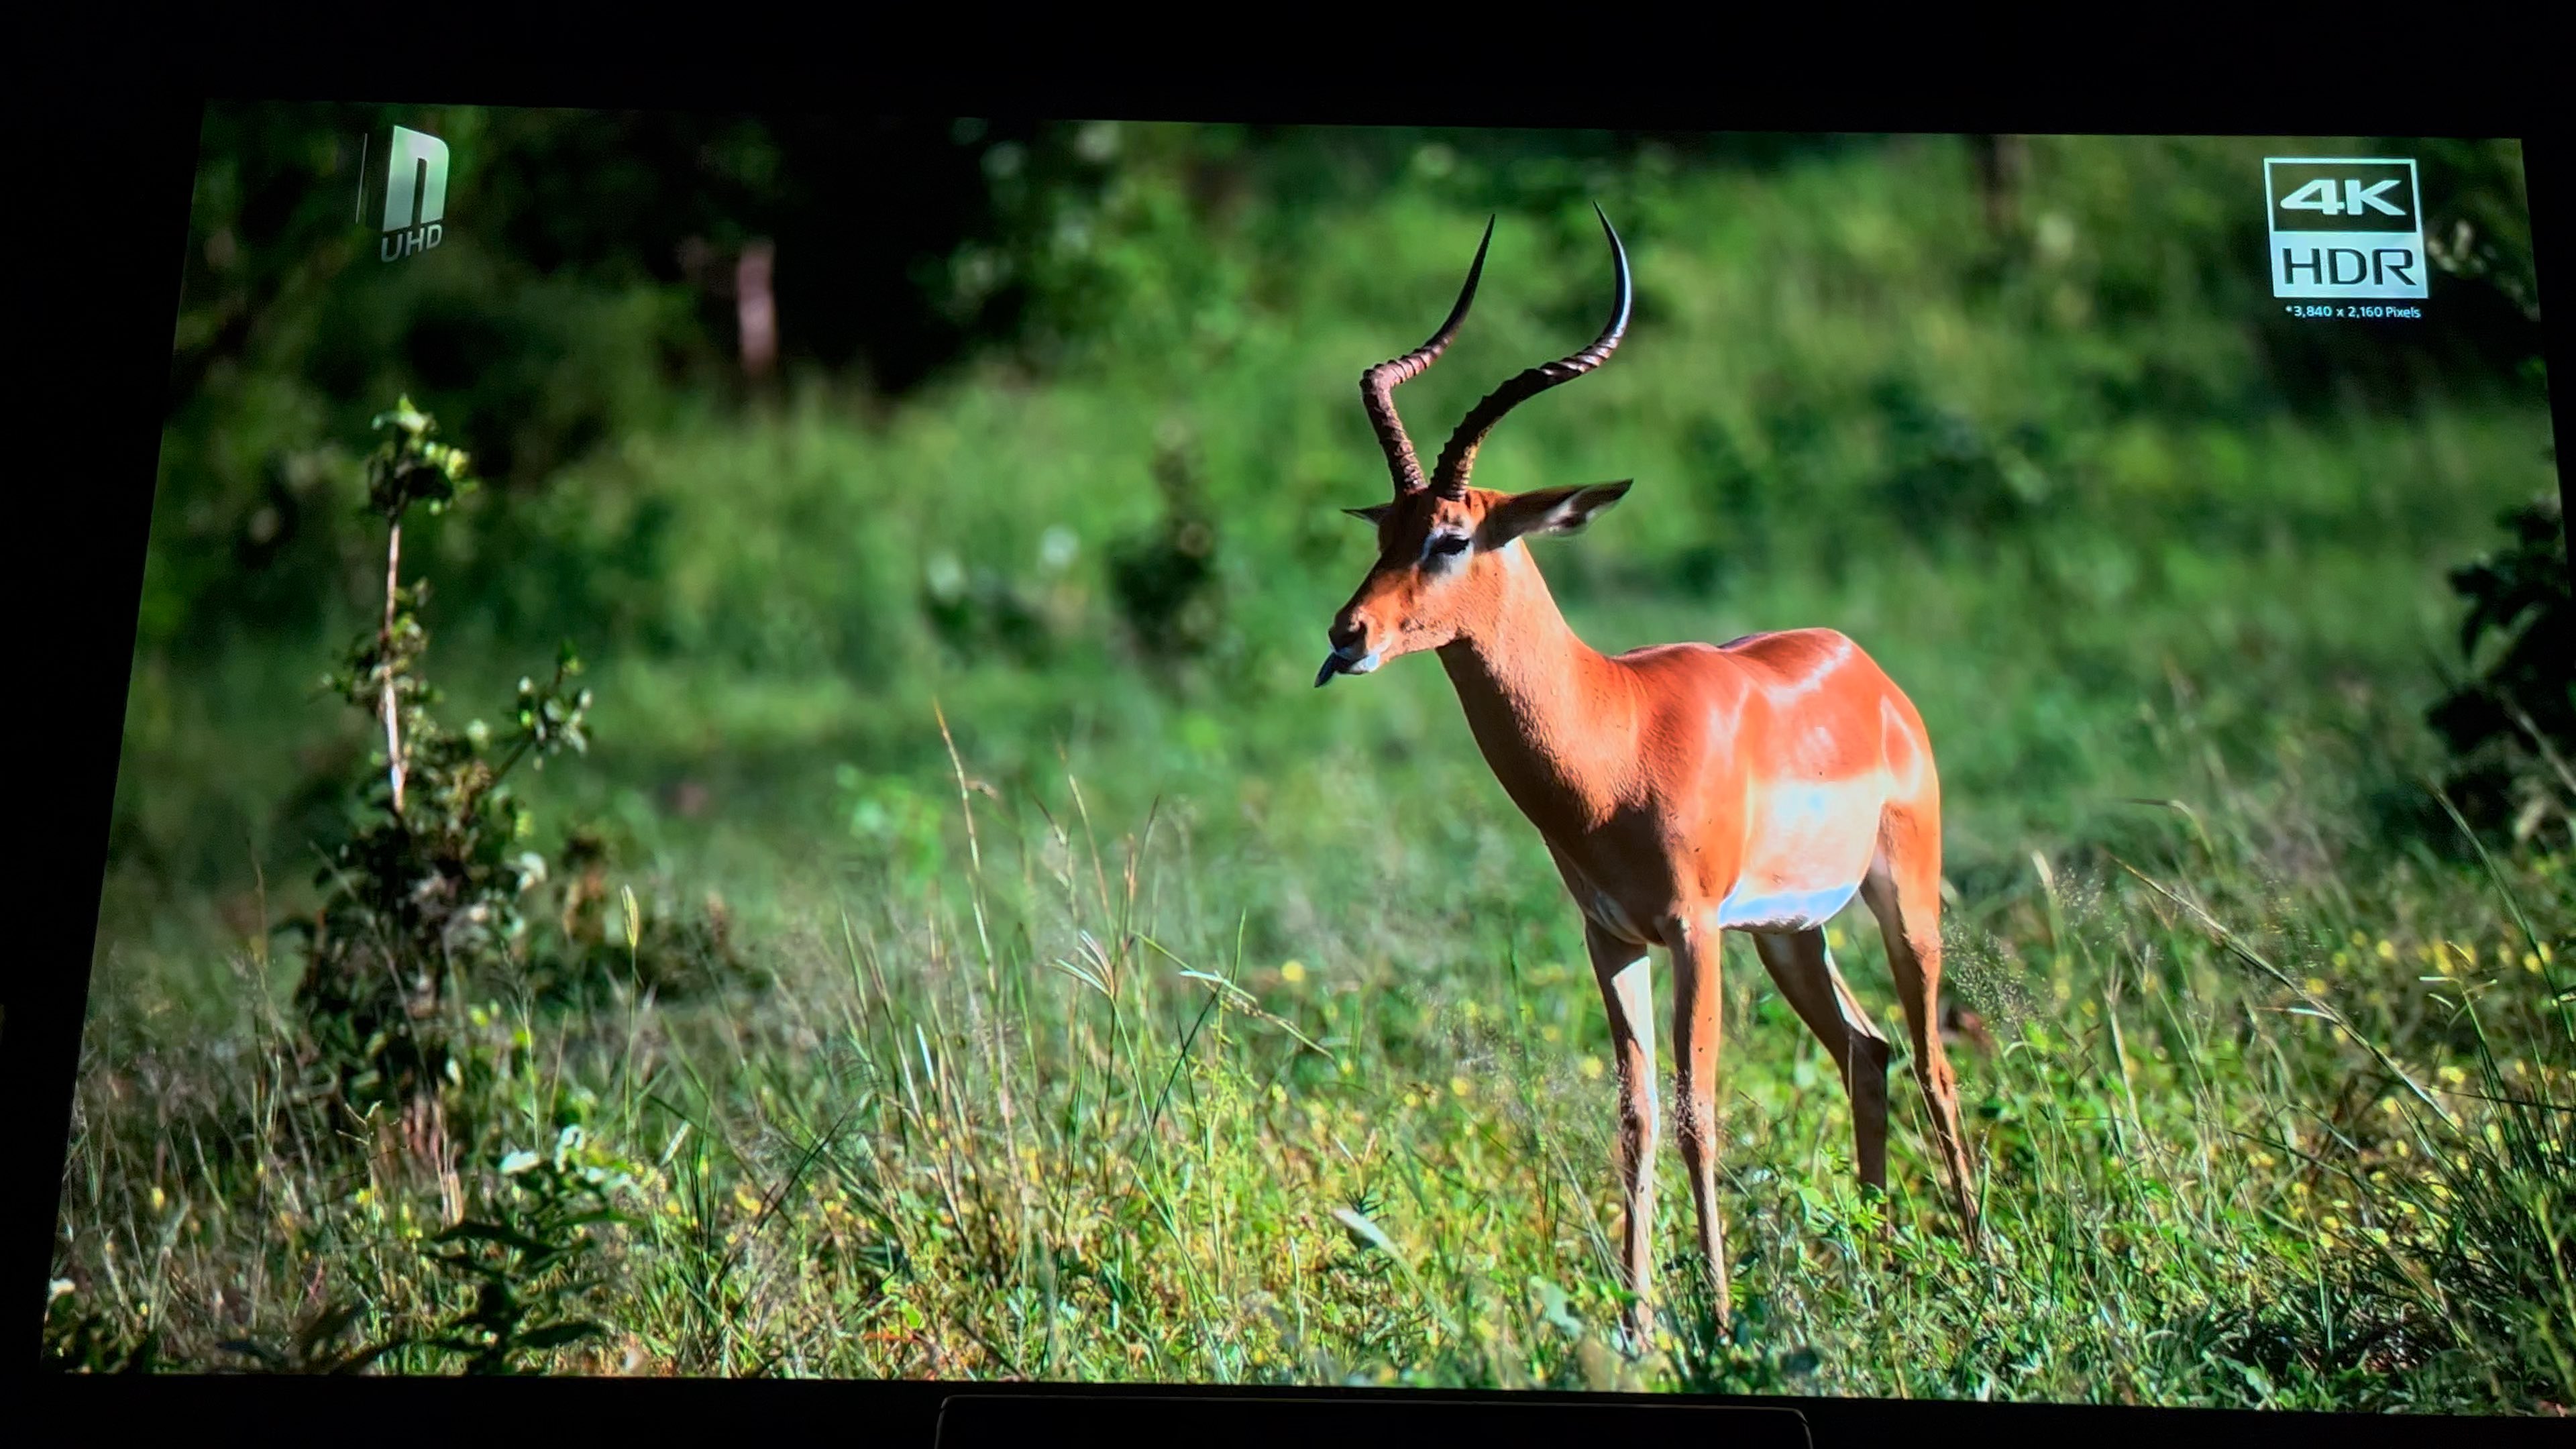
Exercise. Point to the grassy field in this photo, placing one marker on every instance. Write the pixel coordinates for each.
(1095, 1000)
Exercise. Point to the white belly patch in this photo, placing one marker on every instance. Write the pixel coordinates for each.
(1811, 845)
(1782, 910)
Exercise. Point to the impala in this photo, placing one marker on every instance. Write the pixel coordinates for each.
(1683, 790)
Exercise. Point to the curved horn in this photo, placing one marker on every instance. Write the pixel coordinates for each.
(1377, 385)
(1459, 454)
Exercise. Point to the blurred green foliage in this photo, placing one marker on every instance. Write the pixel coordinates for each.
(1065, 411)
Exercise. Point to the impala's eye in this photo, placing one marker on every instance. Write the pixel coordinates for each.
(1445, 545)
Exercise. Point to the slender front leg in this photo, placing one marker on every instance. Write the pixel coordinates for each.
(1697, 996)
(1627, 991)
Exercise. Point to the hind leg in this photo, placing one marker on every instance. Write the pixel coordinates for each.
(1804, 969)
(1903, 889)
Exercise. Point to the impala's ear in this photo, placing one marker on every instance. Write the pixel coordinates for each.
(1548, 510)
(1369, 516)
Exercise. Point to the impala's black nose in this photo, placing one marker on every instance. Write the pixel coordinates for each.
(1351, 654)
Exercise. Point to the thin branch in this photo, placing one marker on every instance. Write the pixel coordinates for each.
(385, 665)
(2522, 719)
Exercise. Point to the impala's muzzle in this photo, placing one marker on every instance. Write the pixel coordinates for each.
(1338, 662)
(1351, 655)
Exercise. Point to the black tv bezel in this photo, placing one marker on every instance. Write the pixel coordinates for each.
(127, 176)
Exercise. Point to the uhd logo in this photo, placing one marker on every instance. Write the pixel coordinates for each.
(415, 194)
(2345, 227)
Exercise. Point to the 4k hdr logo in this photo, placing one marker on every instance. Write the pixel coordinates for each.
(2345, 227)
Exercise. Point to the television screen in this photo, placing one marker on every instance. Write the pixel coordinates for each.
(725, 773)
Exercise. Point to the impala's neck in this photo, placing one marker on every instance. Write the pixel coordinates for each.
(1555, 718)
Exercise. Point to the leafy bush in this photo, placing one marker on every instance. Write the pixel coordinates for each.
(531, 1257)
(430, 885)
(2512, 723)
(437, 883)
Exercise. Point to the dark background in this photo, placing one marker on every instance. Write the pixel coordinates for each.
(120, 171)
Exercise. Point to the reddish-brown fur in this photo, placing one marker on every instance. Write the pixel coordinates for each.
(1683, 790)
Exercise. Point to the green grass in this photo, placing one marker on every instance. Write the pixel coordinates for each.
(1046, 1122)
(1265, 1052)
